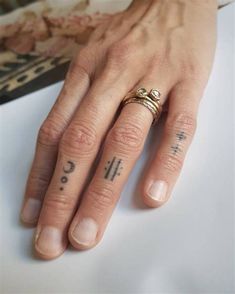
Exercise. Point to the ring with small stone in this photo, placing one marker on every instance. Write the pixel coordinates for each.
(151, 100)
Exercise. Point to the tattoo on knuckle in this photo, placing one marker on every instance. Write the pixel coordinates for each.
(113, 169)
(170, 163)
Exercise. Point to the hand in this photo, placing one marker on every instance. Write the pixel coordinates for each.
(164, 44)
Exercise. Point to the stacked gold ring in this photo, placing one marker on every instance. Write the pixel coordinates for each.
(151, 100)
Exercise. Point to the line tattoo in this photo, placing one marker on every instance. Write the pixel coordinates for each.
(113, 169)
(69, 168)
(181, 136)
(175, 149)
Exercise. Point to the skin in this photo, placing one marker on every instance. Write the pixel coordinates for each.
(163, 44)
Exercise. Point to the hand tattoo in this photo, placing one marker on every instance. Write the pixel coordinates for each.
(181, 136)
(113, 169)
(70, 168)
(175, 149)
(67, 170)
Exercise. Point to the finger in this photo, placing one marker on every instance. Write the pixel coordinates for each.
(123, 146)
(76, 85)
(178, 133)
(77, 152)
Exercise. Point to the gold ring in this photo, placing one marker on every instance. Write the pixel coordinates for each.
(151, 100)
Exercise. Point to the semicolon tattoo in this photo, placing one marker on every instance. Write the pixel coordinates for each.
(69, 168)
(113, 169)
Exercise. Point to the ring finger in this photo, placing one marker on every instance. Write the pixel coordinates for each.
(122, 147)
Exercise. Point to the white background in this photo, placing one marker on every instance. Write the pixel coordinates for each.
(185, 246)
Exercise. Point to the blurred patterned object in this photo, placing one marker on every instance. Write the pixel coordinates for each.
(38, 42)
(24, 74)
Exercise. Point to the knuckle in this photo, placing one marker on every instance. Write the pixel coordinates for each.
(39, 177)
(82, 63)
(192, 68)
(79, 139)
(82, 59)
(37, 183)
(79, 67)
(128, 137)
(182, 122)
(76, 70)
(170, 163)
(59, 203)
(50, 132)
(101, 198)
(119, 54)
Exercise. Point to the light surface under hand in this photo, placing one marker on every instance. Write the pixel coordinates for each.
(185, 246)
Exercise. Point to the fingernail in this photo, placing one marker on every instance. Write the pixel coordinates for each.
(158, 191)
(31, 210)
(49, 241)
(85, 232)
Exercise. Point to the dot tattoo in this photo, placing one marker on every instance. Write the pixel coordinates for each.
(113, 169)
(69, 168)
(64, 180)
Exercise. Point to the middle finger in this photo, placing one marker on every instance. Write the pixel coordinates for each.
(122, 148)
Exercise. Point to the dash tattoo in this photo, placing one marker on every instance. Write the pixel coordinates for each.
(181, 136)
(175, 149)
(69, 168)
(113, 169)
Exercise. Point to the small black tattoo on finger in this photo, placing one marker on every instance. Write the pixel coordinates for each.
(181, 136)
(113, 169)
(67, 169)
(64, 179)
(175, 149)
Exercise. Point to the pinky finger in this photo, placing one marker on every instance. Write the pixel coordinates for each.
(179, 130)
